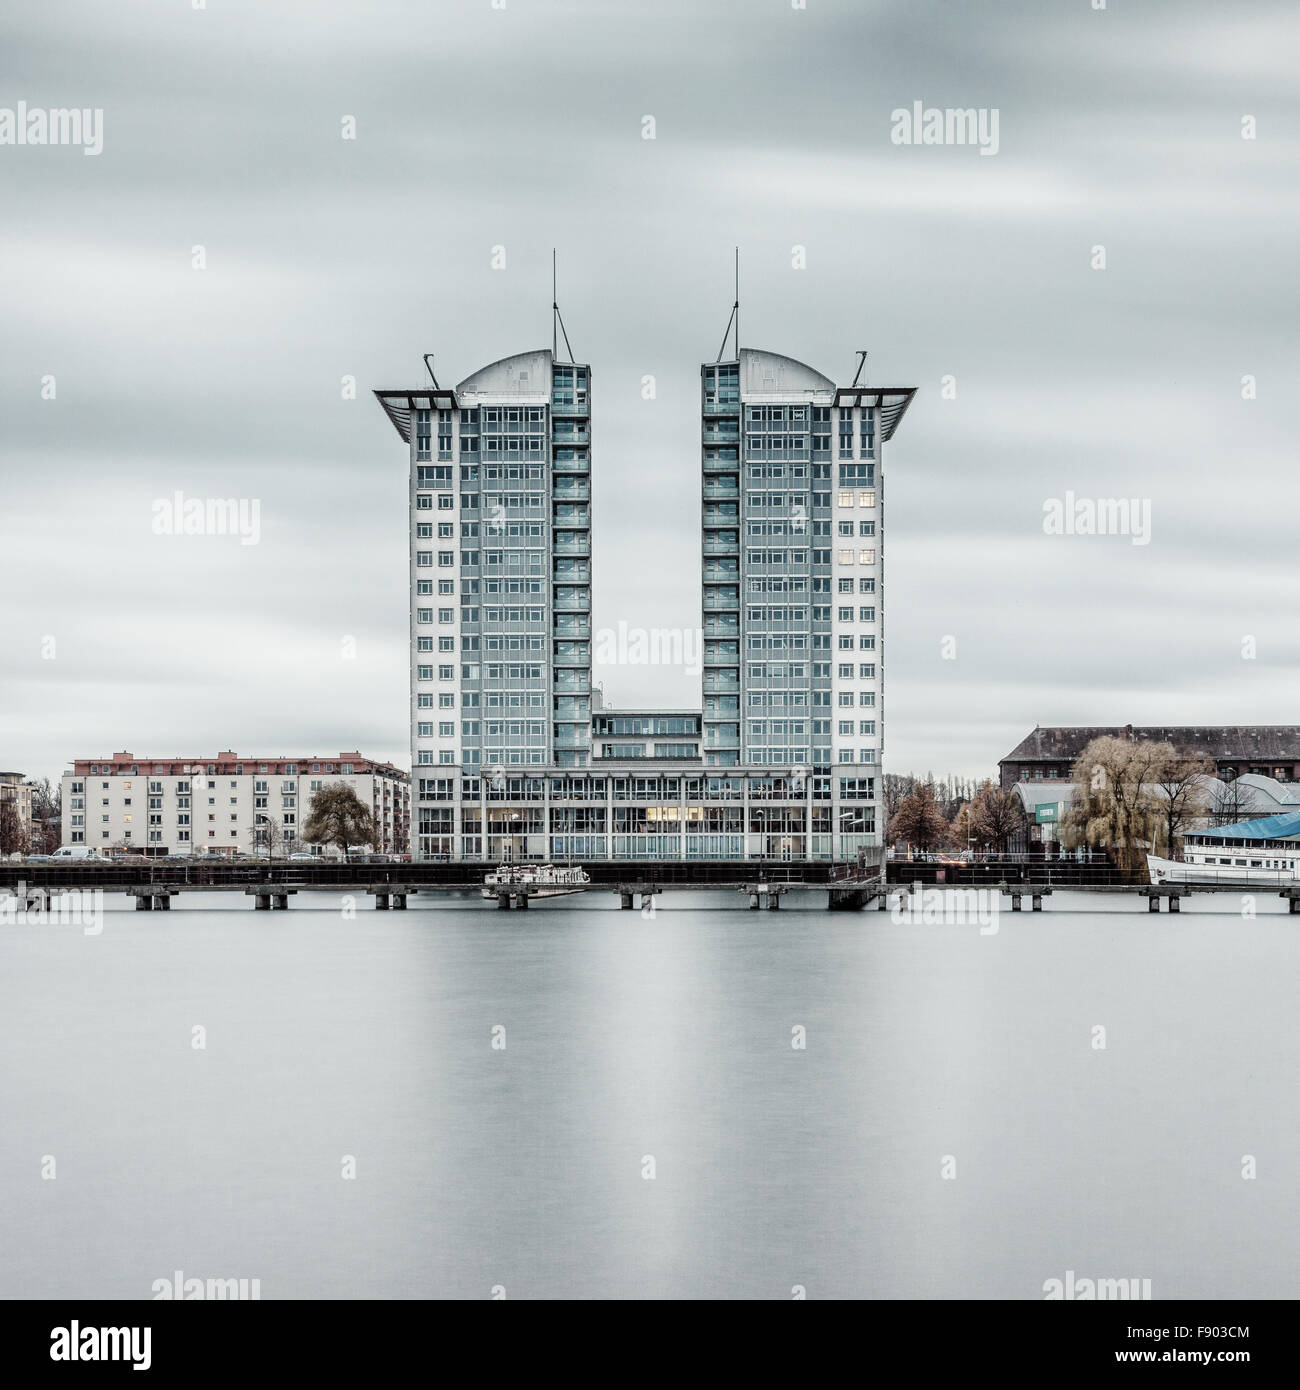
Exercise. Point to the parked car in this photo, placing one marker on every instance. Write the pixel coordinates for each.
(79, 852)
(303, 855)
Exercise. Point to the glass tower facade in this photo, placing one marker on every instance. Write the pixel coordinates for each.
(792, 508)
(781, 760)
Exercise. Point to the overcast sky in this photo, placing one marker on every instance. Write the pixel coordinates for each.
(522, 128)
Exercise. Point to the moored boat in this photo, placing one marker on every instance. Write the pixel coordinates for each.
(541, 880)
(1263, 868)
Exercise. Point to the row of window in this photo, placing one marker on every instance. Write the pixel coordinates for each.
(641, 788)
(290, 769)
(471, 671)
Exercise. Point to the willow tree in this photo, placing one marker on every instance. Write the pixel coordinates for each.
(1117, 804)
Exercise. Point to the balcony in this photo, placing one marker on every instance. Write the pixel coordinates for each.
(720, 683)
(571, 437)
(722, 626)
(721, 600)
(722, 407)
(572, 543)
(720, 434)
(574, 572)
(579, 602)
(572, 736)
(572, 683)
(722, 545)
(721, 465)
(721, 514)
(579, 407)
(713, 570)
(571, 490)
(572, 626)
(721, 740)
(572, 466)
(721, 489)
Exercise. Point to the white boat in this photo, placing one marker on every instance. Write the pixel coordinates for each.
(541, 880)
(1255, 867)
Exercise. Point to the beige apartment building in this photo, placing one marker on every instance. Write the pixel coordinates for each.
(224, 804)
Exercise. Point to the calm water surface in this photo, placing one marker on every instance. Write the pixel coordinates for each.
(667, 1038)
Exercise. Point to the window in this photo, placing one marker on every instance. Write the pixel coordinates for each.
(868, 557)
(846, 499)
(845, 557)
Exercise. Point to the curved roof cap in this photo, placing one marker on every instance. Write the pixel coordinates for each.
(771, 374)
(524, 374)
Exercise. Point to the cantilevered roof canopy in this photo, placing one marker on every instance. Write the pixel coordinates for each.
(400, 405)
(889, 402)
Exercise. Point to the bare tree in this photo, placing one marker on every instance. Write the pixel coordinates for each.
(996, 814)
(894, 786)
(1183, 780)
(47, 798)
(1230, 803)
(268, 835)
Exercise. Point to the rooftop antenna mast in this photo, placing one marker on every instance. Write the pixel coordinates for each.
(557, 319)
(735, 317)
(862, 365)
(428, 367)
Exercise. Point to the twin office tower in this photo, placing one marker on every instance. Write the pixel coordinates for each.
(513, 754)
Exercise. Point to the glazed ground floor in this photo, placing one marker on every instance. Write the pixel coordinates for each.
(675, 812)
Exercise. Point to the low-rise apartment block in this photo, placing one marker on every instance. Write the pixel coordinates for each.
(224, 804)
